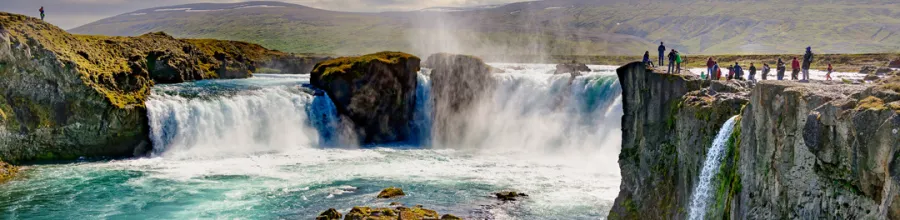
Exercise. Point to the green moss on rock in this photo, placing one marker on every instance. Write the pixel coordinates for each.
(350, 68)
(7, 171)
(390, 192)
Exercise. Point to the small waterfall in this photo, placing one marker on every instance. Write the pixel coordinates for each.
(220, 118)
(701, 195)
(420, 126)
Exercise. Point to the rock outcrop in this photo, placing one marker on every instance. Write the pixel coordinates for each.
(390, 192)
(668, 125)
(64, 96)
(894, 64)
(799, 150)
(7, 171)
(400, 213)
(571, 68)
(457, 83)
(375, 91)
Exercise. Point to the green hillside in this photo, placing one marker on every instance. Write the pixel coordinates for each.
(570, 27)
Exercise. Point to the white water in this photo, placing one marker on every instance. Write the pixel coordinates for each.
(701, 194)
(264, 148)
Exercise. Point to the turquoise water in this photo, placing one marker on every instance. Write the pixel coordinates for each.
(271, 148)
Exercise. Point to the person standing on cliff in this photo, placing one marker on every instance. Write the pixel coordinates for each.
(717, 71)
(730, 73)
(738, 72)
(807, 61)
(671, 57)
(828, 74)
(709, 65)
(662, 50)
(795, 68)
(42, 12)
(678, 61)
(765, 71)
(780, 68)
(752, 76)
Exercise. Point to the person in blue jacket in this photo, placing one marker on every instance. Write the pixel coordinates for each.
(646, 59)
(738, 71)
(662, 52)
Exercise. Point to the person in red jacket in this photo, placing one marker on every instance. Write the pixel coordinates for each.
(709, 66)
(828, 75)
(795, 68)
(42, 12)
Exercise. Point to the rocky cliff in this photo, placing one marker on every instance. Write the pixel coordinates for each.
(65, 96)
(818, 150)
(377, 92)
(458, 82)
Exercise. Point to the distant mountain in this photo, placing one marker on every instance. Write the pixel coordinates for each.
(557, 27)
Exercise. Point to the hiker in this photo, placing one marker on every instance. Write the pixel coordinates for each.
(752, 76)
(709, 65)
(662, 50)
(647, 59)
(678, 62)
(780, 68)
(828, 74)
(738, 71)
(730, 72)
(671, 62)
(807, 60)
(765, 71)
(795, 68)
(42, 12)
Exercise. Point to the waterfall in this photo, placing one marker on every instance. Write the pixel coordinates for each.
(420, 126)
(236, 117)
(701, 195)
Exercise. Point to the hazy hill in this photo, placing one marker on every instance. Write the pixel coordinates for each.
(572, 27)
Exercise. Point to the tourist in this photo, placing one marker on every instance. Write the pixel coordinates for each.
(42, 12)
(780, 68)
(709, 66)
(678, 61)
(765, 71)
(738, 72)
(730, 72)
(671, 62)
(807, 61)
(718, 70)
(662, 50)
(647, 59)
(752, 76)
(828, 74)
(702, 75)
(795, 68)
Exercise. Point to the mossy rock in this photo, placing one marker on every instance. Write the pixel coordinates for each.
(871, 103)
(351, 68)
(390, 192)
(330, 214)
(417, 213)
(7, 171)
(367, 213)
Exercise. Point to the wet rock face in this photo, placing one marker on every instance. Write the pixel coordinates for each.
(458, 83)
(819, 151)
(390, 192)
(376, 91)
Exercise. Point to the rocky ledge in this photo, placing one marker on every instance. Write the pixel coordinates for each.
(799, 150)
(65, 96)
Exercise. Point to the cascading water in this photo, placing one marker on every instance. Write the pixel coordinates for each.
(710, 169)
(260, 148)
(237, 117)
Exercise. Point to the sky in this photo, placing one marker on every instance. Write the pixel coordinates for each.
(69, 14)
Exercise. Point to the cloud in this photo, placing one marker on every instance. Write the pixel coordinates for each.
(72, 13)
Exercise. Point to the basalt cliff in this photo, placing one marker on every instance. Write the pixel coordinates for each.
(65, 96)
(820, 150)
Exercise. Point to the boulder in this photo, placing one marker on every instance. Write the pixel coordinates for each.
(874, 70)
(509, 195)
(367, 213)
(7, 171)
(390, 192)
(450, 217)
(458, 81)
(330, 214)
(376, 91)
(417, 212)
(572, 68)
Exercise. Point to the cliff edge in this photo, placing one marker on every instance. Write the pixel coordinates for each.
(798, 150)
